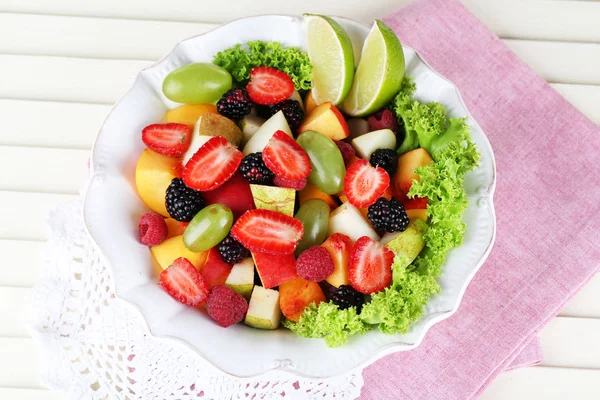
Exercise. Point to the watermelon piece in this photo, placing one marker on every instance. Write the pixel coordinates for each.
(215, 271)
(235, 194)
(275, 269)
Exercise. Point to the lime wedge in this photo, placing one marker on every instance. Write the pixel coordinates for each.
(379, 73)
(330, 52)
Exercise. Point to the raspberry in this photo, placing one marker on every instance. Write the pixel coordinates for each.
(347, 151)
(152, 229)
(235, 104)
(226, 306)
(254, 170)
(346, 296)
(314, 264)
(383, 119)
(297, 184)
(386, 159)
(388, 215)
(291, 110)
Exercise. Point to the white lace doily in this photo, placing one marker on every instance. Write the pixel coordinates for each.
(95, 346)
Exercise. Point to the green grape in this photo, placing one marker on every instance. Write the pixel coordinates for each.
(208, 228)
(197, 83)
(314, 215)
(328, 169)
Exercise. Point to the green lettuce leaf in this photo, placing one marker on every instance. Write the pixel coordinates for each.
(239, 61)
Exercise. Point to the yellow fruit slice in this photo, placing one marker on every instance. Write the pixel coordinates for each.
(153, 175)
(188, 114)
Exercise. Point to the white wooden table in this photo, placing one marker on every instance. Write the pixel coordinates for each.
(64, 62)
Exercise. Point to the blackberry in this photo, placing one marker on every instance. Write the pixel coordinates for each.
(182, 202)
(328, 289)
(345, 297)
(386, 159)
(291, 110)
(253, 168)
(388, 215)
(235, 104)
(232, 251)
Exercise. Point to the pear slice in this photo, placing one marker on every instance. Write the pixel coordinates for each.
(366, 144)
(249, 125)
(281, 200)
(348, 220)
(218, 125)
(263, 311)
(241, 277)
(407, 245)
(261, 137)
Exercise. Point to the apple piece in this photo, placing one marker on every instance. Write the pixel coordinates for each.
(189, 113)
(173, 248)
(174, 227)
(215, 271)
(249, 125)
(261, 137)
(218, 125)
(309, 103)
(274, 270)
(274, 198)
(366, 144)
(195, 144)
(235, 194)
(263, 310)
(405, 174)
(296, 295)
(311, 191)
(348, 220)
(357, 127)
(327, 120)
(153, 175)
(241, 277)
(407, 244)
(339, 247)
(296, 96)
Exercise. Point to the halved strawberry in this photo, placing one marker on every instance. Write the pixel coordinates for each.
(370, 268)
(169, 139)
(286, 158)
(269, 85)
(212, 165)
(184, 283)
(364, 184)
(268, 231)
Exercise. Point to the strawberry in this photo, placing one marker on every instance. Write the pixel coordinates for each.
(269, 85)
(416, 203)
(364, 184)
(370, 268)
(184, 283)
(169, 139)
(212, 165)
(268, 232)
(285, 158)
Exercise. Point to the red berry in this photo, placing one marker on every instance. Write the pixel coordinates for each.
(152, 229)
(226, 306)
(269, 85)
(184, 283)
(370, 268)
(212, 165)
(169, 139)
(268, 231)
(383, 119)
(364, 184)
(286, 158)
(297, 184)
(314, 264)
(347, 151)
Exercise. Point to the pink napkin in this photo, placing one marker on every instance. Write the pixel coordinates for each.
(547, 205)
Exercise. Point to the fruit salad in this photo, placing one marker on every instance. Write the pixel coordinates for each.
(304, 189)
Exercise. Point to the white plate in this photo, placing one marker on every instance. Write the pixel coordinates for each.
(112, 210)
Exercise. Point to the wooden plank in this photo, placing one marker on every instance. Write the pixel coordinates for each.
(14, 312)
(545, 383)
(571, 342)
(28, 211)
(67, 79)
(584, 97)
(51, 124)
(24, 253)
(586, 303)
(22, 370)
(42, 169)
(29, 394)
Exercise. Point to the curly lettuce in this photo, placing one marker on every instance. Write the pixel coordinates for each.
(239, 61)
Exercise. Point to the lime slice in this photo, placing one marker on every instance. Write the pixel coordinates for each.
(379, 73)
(330, 52)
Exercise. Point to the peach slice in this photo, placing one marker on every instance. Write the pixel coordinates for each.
(327, 120)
